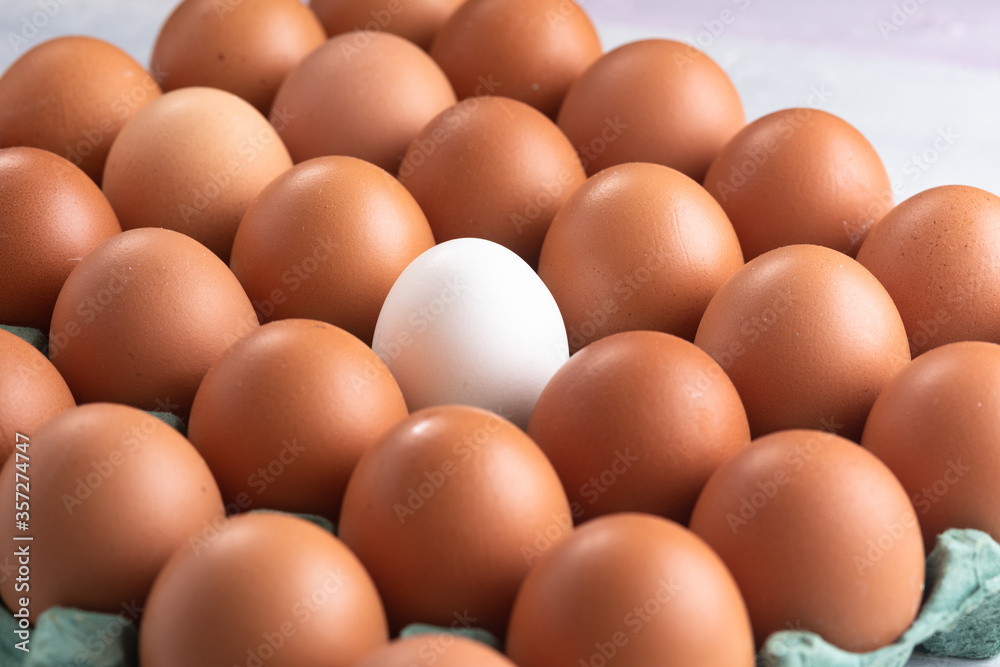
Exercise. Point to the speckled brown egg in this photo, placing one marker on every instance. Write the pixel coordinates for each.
(820, 537)
(326, 240)
(263, 589)
(652, 101)
(630, 590)
(31, 391)
(440, 649)
(638, 421)
(638, 246)
(492, 168)
(51, 215)
(143, 317)
(114, 491)
(192, 162)
(529, 50)
(938, 255)
(284, 415)
(448, 512)
(415, 20)
(809, 338)
(246, 47)
(937, 426)
(72, 96)
(362, 94)
(800, 176)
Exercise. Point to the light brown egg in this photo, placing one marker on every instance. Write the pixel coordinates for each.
(492, 168)
(415, 20)
(808, 337)
(800, 176)
(362, 94)
(448, 512)
(113, 492)
(638, 246)
(441, 650)
(72, 96)
(530, 50)
(284, 415)
(937, 425)
(652, 101)
(326, 240)
(262, 589)
(630, 590)
(937, 255)
(819, 535)
(31, 391)
(51, 215)
(246, 47)
(638, 421)
(143, 317)
(192, 162)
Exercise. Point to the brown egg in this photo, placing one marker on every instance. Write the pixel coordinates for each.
(448, 511)
(143, 316)
(51, 215)
(442, 650)
(630, 590)
(362, 94)
(31, 391)
(808, 337)
(936, 253)
(113, 492)
(284, 415)
(263, 589)
(416, 20)
(638, 421)
(937, 425)
(638, 246)
(326, 240)
(72, 96)
(192, 162)
(530, 50)
(819, 535)
(800, 176)
(492, 168)
(652, 101)
(245, 47)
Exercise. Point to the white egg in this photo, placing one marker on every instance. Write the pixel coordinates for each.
(469, 322)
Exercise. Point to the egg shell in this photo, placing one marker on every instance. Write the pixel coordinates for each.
(192, 162)
(448, 512)
(809, 338)
(326, 240)
(800, 176)
(51, 215)
(266, 588)
(819, 535)
(142, 318)
(638, 421)
(31, 391)
(638, 246)
(246, 47)
(114, 491)
(284, 415)
(492, 168)
(443, 650)
(415, 20)
(936, 253)
(936, 425)
(362, 94)
(655, 100)
(630, 590)
(469, 322)
(72, 96)
(528, 50)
